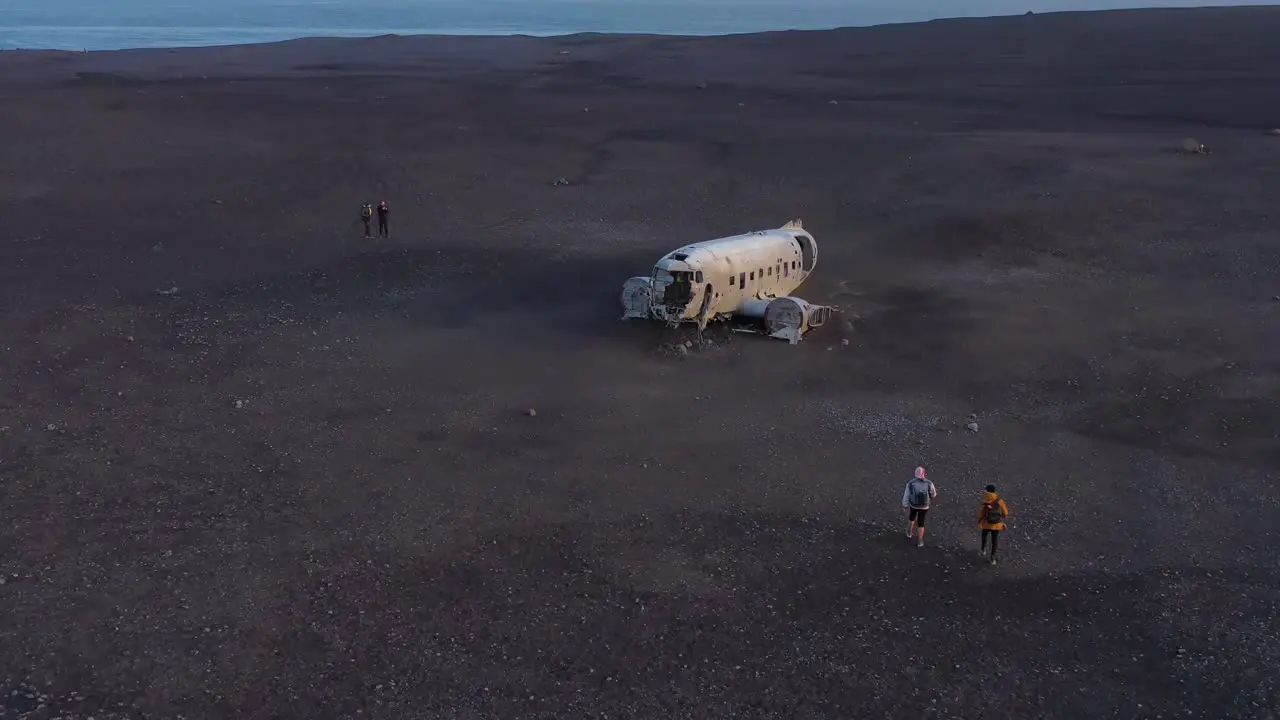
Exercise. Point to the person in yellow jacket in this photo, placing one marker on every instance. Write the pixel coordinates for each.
(366, 215)
(991, 520)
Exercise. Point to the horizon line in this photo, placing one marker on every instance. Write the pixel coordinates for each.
(337, 33)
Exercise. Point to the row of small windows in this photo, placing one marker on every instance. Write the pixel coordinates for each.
(783, 269)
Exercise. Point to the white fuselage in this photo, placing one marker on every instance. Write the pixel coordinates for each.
(719, 277)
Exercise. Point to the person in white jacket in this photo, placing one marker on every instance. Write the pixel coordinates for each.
(916, 498)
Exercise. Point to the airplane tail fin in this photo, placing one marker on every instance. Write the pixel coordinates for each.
(793, 225)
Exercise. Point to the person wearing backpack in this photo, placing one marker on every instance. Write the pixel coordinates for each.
(366, 215)
(916, 498)
(991, 520)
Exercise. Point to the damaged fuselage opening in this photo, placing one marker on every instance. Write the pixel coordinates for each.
(673, 291)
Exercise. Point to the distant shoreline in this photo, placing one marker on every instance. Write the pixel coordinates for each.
(96, 38)
(201, 37)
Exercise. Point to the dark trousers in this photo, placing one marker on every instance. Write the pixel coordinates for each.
(367, 232)
(995, 540)
(382, 225)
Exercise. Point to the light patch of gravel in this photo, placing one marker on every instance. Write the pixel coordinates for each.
(595, 236)
(873, 423)
(21, 700)
(980, 274)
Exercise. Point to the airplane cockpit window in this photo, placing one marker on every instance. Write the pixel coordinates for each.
(697, 277)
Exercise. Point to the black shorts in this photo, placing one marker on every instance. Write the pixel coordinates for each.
(917, 516)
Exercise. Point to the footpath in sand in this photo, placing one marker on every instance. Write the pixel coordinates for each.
(255, 465)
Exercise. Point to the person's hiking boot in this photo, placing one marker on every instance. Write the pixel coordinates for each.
(982, 552)
(993, 560)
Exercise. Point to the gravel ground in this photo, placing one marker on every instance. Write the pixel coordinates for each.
(255, 465)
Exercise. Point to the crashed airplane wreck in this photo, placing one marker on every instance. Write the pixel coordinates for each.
(743, 276)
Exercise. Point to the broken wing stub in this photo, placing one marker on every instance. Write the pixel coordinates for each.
(785, 318)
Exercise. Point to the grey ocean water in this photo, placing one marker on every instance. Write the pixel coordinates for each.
(113, 24)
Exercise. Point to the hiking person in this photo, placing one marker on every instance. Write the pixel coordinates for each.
(916, 498)
(383, 211)
(991, 520)
(366, 214)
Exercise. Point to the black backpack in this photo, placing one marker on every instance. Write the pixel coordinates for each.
(919, 494)
(992, 513)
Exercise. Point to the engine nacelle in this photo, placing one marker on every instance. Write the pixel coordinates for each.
(789, 318)
(637, 298)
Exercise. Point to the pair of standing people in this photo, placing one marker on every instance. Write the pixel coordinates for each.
(366, 214)
(918, 496)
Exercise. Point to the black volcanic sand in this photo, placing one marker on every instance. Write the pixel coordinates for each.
(255, 465)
